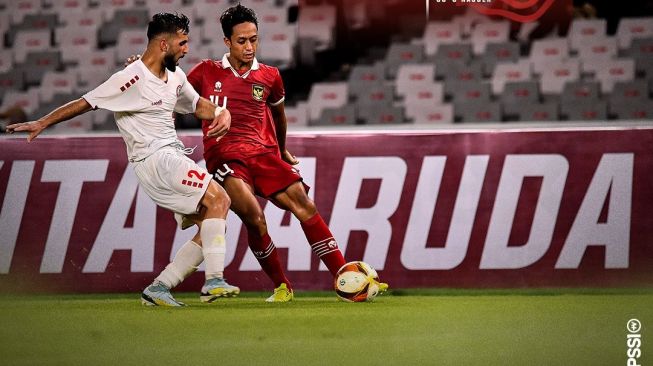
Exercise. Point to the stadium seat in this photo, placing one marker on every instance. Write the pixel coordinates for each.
(641, 50)
(611, 71)
(422, 114)
(211, 31)
(451, 57)
(271, 18)
(77, 125)
(644, 67)
(39, 62)
(410, 75)
(113, 7)
(380, 94)
(362, 77)
(461, 74)
(121, 21)
(95, 67)
(318, 22)
(496, 53)
(326, 95)
(11, 81)
(632, 28)
(533, 112)
(6, 62)
(400, 54)
(209, 11)
(510, 72)
(545, 51)
(73, 41)
(18, 9)
(193, 58)
(57, 82)
(32, 22)
(28, 101)
(30, 41)
(165, 6)
(277, 46)
(581, 92)
(85, 21)
(582, 31)
(345, 115)
(454, 52)
(480, 111)
(639, 109)
(557, 73)
(472, 92)
(585, 111)
(489, 32)
(103, 120)
(68, 6)
(130, 42)
(297, 115)
(437, 33)
(518, 94)
(424, 94)
(593, 52)
(629, 92)
(386, 114)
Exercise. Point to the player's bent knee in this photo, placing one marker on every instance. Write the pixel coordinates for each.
(216, 199)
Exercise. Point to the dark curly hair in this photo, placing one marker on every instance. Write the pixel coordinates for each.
(167, 23)
(234, 16)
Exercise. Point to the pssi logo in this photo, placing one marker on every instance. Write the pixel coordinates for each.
(634, 342)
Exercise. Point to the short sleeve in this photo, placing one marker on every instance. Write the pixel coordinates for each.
(188, 97)
(118, 94)
(195, 76)
(277, 92)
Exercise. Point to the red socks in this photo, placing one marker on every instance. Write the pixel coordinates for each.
(268, 257)
(323, 244)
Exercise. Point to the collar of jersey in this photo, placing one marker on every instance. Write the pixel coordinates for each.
(226, 64)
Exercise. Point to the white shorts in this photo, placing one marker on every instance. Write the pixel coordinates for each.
(173, 180)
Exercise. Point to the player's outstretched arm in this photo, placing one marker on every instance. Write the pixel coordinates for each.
(218, 115)
(63, 113)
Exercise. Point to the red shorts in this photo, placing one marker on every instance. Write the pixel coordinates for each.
(267, 173)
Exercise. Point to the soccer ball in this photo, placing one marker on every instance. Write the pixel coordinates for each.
(356, 282)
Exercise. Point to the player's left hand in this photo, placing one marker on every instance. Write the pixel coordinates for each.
(34, 128)
(220, 125)
(289, 158)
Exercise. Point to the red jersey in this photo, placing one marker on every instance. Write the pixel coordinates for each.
(248, 95)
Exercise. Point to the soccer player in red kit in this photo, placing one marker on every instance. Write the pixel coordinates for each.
(252, 158)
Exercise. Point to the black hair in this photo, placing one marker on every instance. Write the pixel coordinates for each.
(234, 16)
(167, 23)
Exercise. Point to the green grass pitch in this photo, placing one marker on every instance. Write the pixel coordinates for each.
(409, 327)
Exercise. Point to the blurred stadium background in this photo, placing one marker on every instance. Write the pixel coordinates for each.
(366, 63)
(490, 169)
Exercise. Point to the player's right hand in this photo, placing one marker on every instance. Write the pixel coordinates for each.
(131, 59)
(34, 128)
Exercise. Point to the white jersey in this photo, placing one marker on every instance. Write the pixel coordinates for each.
(143, 107)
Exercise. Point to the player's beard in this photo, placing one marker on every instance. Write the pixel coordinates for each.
(170, 62)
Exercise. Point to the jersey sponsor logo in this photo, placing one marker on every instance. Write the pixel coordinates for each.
(129, 83)
(158, 102)
(217, 87)
(257, 92)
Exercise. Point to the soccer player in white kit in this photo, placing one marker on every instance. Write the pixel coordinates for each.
(144, 97)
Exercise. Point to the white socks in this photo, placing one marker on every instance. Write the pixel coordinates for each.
(188, 257)
(214, 246)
